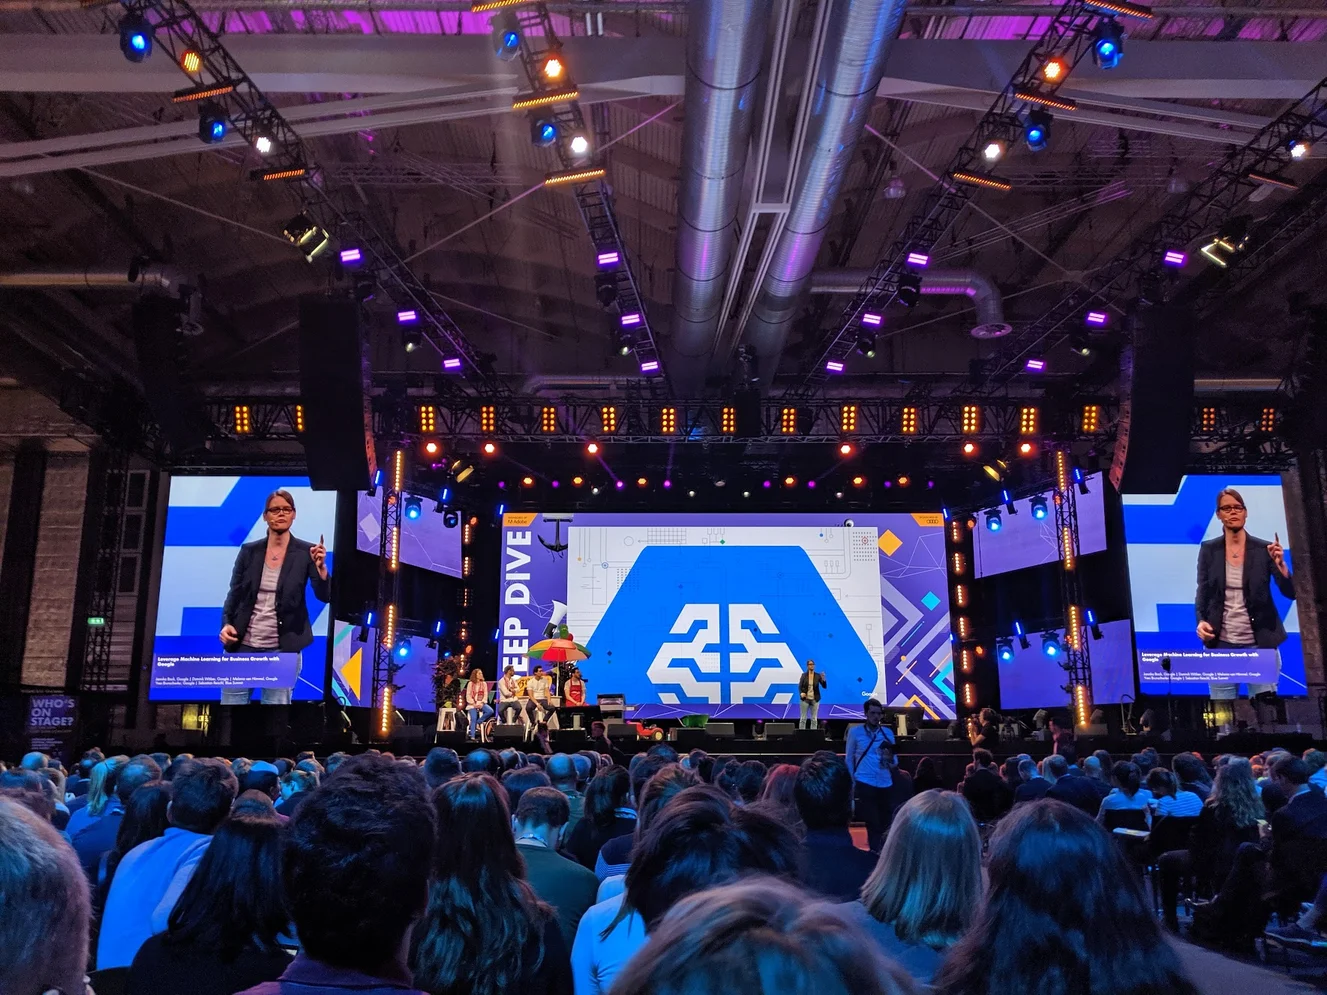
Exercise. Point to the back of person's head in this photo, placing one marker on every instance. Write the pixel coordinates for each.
(295, 781)
(522, 779)
(607, 791)
(1009, 769)
(253, 803)
(759, 937)
(181, 761)
(1069, 752)
(701, 840)
(239, 767)
(1162, 783)
(823, 793)
(356, 863)
(585, 767)
(44, 908)
(35, 760)
(146, 817)
(1092, 768)
(561, 771)
(480, 761)
(1027, 769)
(102, 787)
(1190, 770)
(201, 796)
(926, 767)
(1064, 915)
(643, 767)
(266, 780)
(440, 766)
(982, 757)
(313, 767)
(508, 759)
(303, 755)
(927, 883)
(1290, 769)
(663, 750)
(1144, 763)
(779, 789)
(1104, 759)
(283, 765)
(1126, 776)
(136, 773)
(748, 782)
(233, 900)
(1235, 793)
(335, 760)
(475, 842)
(163, 761)
(93, 757)
(1057, 765)
(659, 790)
(543, 807)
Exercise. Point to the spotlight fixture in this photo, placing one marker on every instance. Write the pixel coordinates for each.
(592, 448)
(970, 449)
(1298, 148)
(909, 289)
(566, 176)
(1096, 319)
(191, 61)
(605, 290)
(135, 37)
(411, 338)
(1027, 449)
(412, 508)
(451, 518)
(1081, 480)
(579, 146)
(552, 68)
(895, 189)
(1107, 43)
(1050, 645)
(1037, 129)
(993, 150)
(1081, 343)
(1039, 508)
(577, 481)
(211, 123)
(490, 448)
(268, 175)
(193, 94)
(866, 345)
(641, 481)
(506, 36)
(1004, 650)
(1034, 365)
(1093, 624)
(303, 233)
(1054, 69)
(904, 480)
(789, 481)
(1021, 633)
(351, 256)
(608, 259)
(994, 521)
(527, 481)
(626, 341)
(918, 259)
(845, 448)
(462, 470)
(432, 447)
(833, 366)
(996, 470)
(1230, 239)
(858, 481)
(1008, 500)
(263, 144)
(543, 133)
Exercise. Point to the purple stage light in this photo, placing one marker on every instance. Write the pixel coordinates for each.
(1097, 319)
(557, 483)
(630, 319)
(834, 366)
(919, 259)
(351, 256)
(766, 484)
(451, 363)
(650, 366)
(811, 484)
(1174, 257)
(620, 484)
(502, 485)
(872, 319)
(930, 485)
(608, 259)
(1034, 366)
(667, 484)
(889, 483)
(407, 317)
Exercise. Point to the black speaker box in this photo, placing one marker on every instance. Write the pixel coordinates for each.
(177, 408)
(454, 738)
(780, 730)
(809, 739)
(509, 733)
(721, 730)
(622, 730)
(687, 739)
(338, 425)
(1157, 406)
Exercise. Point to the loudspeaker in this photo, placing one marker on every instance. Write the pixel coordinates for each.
(721, 730)
(333, 367)
(932, 735)
(779, 730)
(177, 408)
(809, 739)
(1157, 373)
(622, 730)
(454, 738)
(687, 739)
(512, 732)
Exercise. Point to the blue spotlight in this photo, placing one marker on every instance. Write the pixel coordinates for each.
(211, 123)
(993, 521)
(506, 36)
(1039, 508)
(1107, 44)
(414, 507)
(1037, 129)
(1050, 645)
(1004, 650)
(135, 37)
(403, 648)
(543, 133)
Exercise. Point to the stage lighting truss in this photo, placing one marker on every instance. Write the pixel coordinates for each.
(1067, 40)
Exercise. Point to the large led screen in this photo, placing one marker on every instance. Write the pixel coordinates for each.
(1023, 540)
(1034, 680)
(426, 541)
(1163, 534)
(352, 669)
(718, 614)
(208, 518)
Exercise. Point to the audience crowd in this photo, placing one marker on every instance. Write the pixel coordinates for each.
(573, 874)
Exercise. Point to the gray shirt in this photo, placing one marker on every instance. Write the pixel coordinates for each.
(1236, 628)
(262, 633)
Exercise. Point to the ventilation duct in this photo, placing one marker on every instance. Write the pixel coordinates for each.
(859, 37)
(978, 287)
(137, 278)
(725, 39)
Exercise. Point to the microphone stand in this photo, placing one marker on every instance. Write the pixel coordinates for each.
(1170, 696)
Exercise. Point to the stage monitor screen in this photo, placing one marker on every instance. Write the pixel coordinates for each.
(352, 669)
(1023, 540)
(1034, 680)
(427, 542)
(1163, 535)
(208, 518)
(718, 613)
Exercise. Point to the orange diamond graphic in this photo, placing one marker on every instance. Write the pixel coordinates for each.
(889, 543)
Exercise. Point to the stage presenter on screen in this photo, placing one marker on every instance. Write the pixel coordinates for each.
(1235, 576)
(265, 609)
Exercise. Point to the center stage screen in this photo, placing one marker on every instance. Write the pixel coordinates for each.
(718, 614)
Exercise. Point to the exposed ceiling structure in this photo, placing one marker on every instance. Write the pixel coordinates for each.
(405, 103)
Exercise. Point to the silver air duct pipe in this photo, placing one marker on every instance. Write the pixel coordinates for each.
(859, 37)
(136, 278)
(725, 40)
(978, 287)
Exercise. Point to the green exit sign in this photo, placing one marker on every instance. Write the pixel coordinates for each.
(97, 620)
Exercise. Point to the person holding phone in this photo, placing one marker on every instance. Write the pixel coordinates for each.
(266, 609)
(1234, 603)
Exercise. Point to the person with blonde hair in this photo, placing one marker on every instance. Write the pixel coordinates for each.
(45, 908)
(102, 799)
(926, 887)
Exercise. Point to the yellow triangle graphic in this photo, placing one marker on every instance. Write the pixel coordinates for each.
(352, 672)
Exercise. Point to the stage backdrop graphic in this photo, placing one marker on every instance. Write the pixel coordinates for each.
(425, 542)
(352, 669)
(718, 613)
(207, 520)
(1163, 533)
(1034, 680)
(1024, 541)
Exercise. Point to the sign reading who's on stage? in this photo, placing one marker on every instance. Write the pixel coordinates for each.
(51, 721)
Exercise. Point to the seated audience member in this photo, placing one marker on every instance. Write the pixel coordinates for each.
(1316, 761)
(1167, 799)
(36, 760)
(1034, 786)
(262, 776)
(508, 759)
(99, 838)
(222, 935)
(522, 779)
(748, 780)
(355, 871)
(295, 787)
(485, 931)
(146, 817)
(926, 889)
(1009, 773)
(777, 797)
(440, 766)
(481, 761)
(101, 796)
(1229, 817)
(561, 770)
(564, 884)
(927, 778)
(986, 793)
(699, 841)
(151, 877)
(44, 908)
(334, 761)
(608, 814)
(830, 864)
(239, 767)
(53, 781)
(1191, 773)
(666, 783)
(757, 937)
(1128, 794)
(1083, 793)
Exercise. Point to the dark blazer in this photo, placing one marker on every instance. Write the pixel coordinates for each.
(833, 866)
(815, 685)
(1031, 790)
(1259, 575)
(292, 611)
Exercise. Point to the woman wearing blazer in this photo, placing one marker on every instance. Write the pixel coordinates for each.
(265, 609)
(1234, 601)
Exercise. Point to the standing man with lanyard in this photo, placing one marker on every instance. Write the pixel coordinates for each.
(870, 758)
(808, 691)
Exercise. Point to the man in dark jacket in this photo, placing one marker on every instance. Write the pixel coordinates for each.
(987, 794)
(562, 883)
(831, 863)
(1034, 785)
